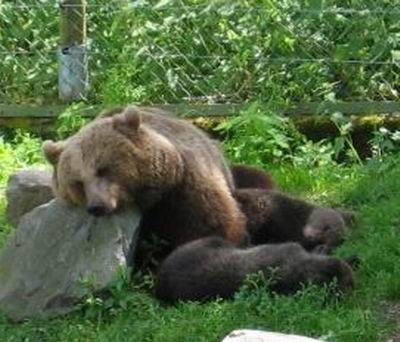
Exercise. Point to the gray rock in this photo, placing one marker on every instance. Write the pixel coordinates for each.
(27, 189)
(247, 335)
(54, 248)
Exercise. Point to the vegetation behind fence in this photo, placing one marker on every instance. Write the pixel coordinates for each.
(192, 51)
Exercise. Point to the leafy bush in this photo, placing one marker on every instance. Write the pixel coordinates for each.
(29, 37)
(24, 150)
(120, 295)
(120, 85)
(71, 120)
(260, 136)
(241, 50)
(344, 141)
(384, 143)
(199, 51)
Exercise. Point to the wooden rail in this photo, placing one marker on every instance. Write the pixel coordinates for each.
(193, 110)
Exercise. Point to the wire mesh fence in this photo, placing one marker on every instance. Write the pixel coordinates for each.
(192, 51)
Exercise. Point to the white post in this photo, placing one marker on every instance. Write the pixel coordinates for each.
(73, 81)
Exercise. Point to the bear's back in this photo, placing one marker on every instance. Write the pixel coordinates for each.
(202, 269)
(182, 133)
(194, 145)
(210, 267)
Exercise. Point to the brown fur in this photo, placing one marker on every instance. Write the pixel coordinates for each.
(169, 168)
(250, 177)
(211, 267)
(276, 217)
(149, 110)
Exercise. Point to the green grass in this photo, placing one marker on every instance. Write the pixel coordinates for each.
(372, 192)
(23, 151)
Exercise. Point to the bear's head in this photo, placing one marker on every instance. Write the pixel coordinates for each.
(327, 226)
(113, 162)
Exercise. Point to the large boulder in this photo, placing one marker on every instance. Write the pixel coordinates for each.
(53, 249)
(26, 190)
(247, 335)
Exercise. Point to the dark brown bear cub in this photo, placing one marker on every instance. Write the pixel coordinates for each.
(167, 167)
(250, 177)
(212, 267)
(276, 217)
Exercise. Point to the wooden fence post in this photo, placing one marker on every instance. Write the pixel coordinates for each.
(73, 81)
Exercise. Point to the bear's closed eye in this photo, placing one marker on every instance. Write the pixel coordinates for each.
(78, 185)
(326, 228)
(103, 172)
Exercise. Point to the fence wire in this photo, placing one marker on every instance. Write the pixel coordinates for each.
(206, 52)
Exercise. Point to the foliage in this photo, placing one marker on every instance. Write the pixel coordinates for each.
(209, 51)
(121, 86)
(118, 297)
(260, 136)
(344, 141)
(71, 120)
(239, 51)
(24, 150)
(256, 282)
(28, 45)
(309, 153)
(384, 142)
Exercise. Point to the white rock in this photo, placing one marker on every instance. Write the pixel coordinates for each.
(247, 335)
(26, 190)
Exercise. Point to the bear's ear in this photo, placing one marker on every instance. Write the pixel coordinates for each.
(52, 150)
(110, 112)
(128, 121)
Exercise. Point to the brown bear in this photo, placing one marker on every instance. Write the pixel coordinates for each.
(246, 176)
(274, 217)
(170, 169)
(212, 267)
(117, 110)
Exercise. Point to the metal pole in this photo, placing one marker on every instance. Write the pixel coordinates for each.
(73, 81)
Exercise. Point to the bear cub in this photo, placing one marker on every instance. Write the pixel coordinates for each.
(250, 177)
(274, 217)
(212, 267)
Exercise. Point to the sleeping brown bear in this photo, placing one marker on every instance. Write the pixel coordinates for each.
(167, 167)
(212, 267)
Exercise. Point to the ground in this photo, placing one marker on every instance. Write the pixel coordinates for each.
(392, 312)
(135, 315)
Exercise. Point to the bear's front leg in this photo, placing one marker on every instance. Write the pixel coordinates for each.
(213, 203)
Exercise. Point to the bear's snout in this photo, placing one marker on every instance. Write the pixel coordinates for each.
(97, 210)
(101, 197)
